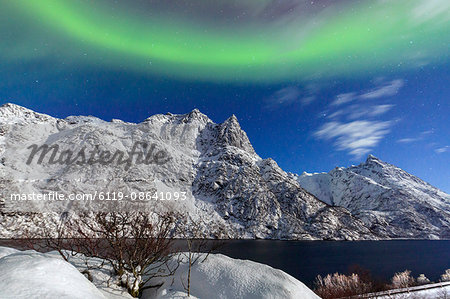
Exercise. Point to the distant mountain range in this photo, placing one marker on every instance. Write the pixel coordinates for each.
(390, 201)
(229, 189)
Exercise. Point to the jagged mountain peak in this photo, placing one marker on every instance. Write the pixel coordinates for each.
(376, 169)
(233, 120)
(12, 109)
(12, 106)
(12, 112)
(84, 119)
(384, 173)
(232, 123)
(371, 157)
(196, 115)
(191, 117)
(372, 160)
(230, 133)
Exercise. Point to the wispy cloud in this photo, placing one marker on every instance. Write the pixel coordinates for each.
(307, 100)
(358, 137)
(380, 109)
(285, 95)
(443, 149)
(431, 10)
(358, 111)
(336, 114)
(383, 90)
(408, 140)
(344, 98)
(420, 137)
(292, 94)
(353, 122)
(387, 90)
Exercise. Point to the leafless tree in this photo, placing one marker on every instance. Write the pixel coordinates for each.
(137, 244)
(197, 247)
(48, 233)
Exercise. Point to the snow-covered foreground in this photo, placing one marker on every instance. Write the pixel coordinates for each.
(439, 290)
(34, 275)
(220, 276)
(29, 274)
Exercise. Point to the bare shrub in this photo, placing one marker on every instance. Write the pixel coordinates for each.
(402, 280)
(340, 285)
(446, 275)
(50, 234)
(422, 279)
(137, 244)
(197, 247)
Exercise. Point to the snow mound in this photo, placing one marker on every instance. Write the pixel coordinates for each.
(220, 276)
(29, 274)
(4, 251)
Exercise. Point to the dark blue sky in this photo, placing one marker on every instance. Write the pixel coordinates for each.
(314, 86)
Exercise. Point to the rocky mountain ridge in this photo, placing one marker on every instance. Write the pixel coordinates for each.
(229, 189)
(392, 202)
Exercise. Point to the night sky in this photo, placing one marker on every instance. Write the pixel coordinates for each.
(315, 84)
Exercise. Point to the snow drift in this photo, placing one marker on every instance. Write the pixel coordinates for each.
(222, 277)
(29, 274)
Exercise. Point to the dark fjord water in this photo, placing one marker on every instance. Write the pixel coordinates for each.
(306, 259)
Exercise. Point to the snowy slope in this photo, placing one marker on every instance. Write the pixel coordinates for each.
(29, 274)
(229, 188)
(222, 277)
(389, 200)
(439, 290)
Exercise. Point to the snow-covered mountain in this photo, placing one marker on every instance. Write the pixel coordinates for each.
(390, 201)
(230, 190)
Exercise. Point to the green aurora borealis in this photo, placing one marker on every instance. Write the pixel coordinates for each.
(342, 39)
